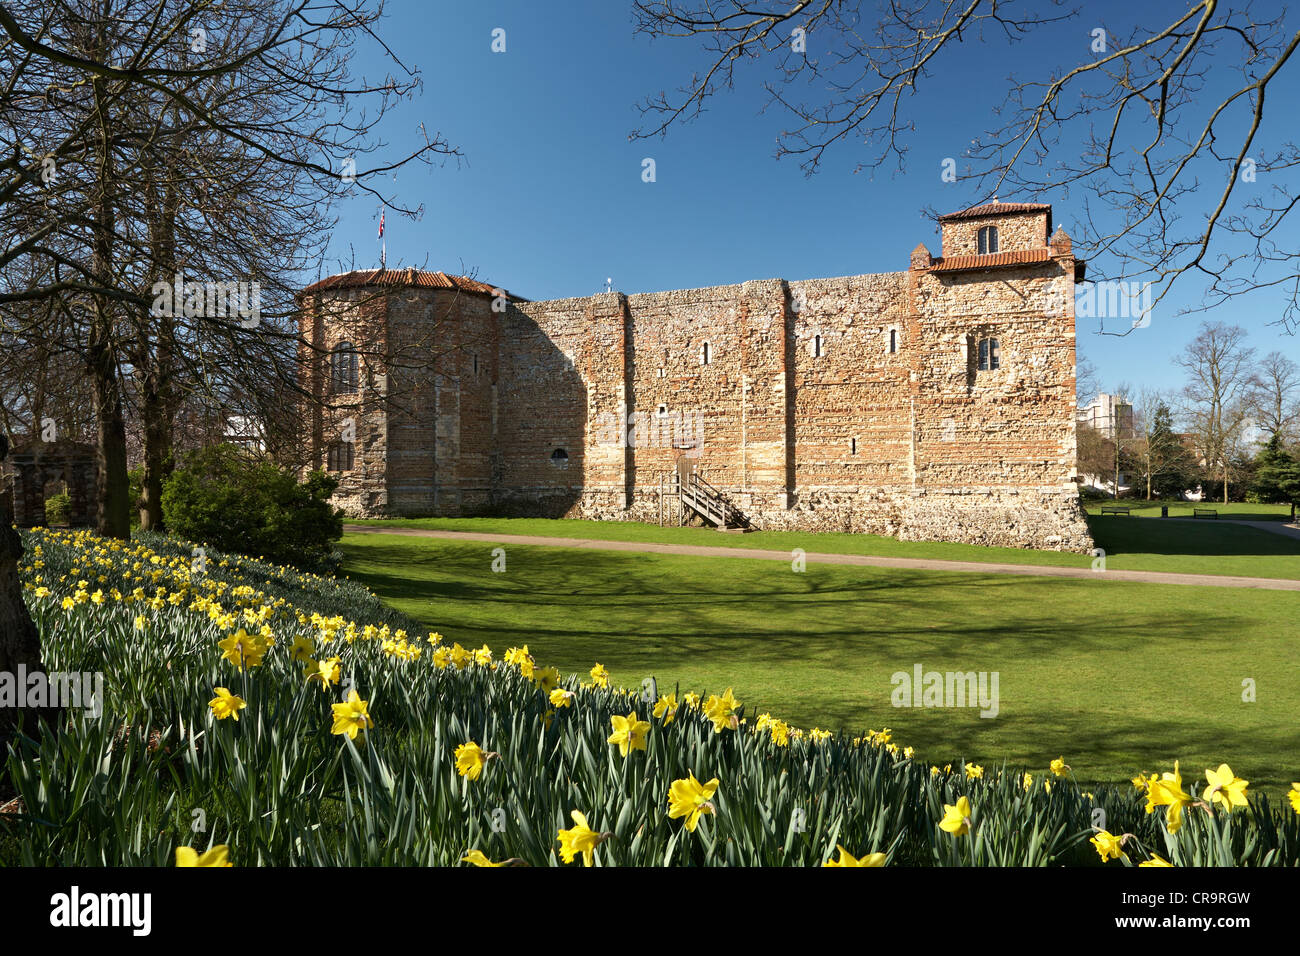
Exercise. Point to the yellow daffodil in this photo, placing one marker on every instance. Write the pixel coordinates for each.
(1059, 767)
(1108, 845)
(1294, 796)
(974, 771)
(721, 710)
(666, 708)
(956, 818)
(580, 839)
(1225, 789)
(689, 798)
(324, 671)
(629, 733)
(226, 704)
(478, 858)
(351, 716)
(469, 760)
(217, 856)
(847, 859)
(780, 732)
(460, 657)
(1168, 792)
(1155, 861)
(243, 649)
(561, 698)
(600, 676)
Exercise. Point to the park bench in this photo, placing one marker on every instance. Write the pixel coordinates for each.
(1205, 513)
(1115, 509)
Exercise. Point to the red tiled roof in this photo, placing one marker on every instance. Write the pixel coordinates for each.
(996, 209)
(402, 278)
(996, 259)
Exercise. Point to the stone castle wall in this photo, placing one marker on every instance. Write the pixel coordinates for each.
(846, 404)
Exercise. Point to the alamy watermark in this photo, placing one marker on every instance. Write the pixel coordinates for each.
(922, 688)
(38, 690)
(210, 300)
(658, 429)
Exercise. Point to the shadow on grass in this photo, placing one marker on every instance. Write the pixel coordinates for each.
(1129, 535)
(1116, 672)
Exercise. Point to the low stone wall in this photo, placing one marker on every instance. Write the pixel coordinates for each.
(1049, 519)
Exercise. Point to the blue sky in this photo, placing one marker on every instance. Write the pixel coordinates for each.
(549, 200)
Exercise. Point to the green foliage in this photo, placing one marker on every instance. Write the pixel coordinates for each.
(221, 497)
(1277, 475)
(57, 508)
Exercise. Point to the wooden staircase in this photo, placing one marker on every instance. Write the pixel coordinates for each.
(712, 505)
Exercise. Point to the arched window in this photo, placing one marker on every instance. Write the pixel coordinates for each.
(344, 368)
(339, 456)
(988, 240)
(706, 354)
(817, 346)
(990, 355)
(893, 341)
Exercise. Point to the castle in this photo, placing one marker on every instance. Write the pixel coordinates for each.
(935, 403)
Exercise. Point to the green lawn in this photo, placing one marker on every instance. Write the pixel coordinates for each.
(1131, 544)
(1117, 677)
(1183, 509)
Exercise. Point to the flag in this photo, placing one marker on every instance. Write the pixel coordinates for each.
(381, 224)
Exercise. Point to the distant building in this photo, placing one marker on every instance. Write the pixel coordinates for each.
(1107, 415)
(245, 431)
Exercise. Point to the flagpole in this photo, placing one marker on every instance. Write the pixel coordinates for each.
(383, 241)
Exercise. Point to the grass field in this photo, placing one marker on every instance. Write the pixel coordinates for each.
(1131, 544)
(1118, 677)
(1240, 510)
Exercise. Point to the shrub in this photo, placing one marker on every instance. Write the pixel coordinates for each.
(58, 508)
(225, 499)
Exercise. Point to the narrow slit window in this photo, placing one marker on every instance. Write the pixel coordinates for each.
(990, 355)
(339, 456)
(343, 368)
(988, 240)
(853, 446)
(817, 346)
(893, 341)
(705, 355)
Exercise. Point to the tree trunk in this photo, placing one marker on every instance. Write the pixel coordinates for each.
(20, 644)
(113, 487)
(157, 449)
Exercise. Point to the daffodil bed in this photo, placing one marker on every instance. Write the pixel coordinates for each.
(257, 715)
